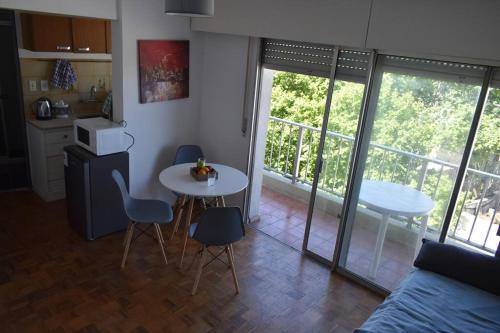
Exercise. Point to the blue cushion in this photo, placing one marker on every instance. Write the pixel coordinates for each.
(479, 270)
(429, 302)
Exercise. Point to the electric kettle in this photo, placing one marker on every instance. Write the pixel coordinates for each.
(43, 108)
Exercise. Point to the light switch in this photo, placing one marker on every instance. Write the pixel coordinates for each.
(44, 85)
(32, 85)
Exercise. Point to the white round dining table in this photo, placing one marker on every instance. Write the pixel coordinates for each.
(177, 178)
(390, 199)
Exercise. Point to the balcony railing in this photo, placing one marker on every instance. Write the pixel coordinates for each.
(291, 150)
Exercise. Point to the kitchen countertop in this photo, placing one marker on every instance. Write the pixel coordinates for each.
(55, 123)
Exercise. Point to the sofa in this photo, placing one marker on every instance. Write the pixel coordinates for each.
(449, 290)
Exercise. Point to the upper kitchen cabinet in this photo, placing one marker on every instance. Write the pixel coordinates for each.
(456, 28)
(89, 35)
(46, 33)
(108, 36)
(334, 22)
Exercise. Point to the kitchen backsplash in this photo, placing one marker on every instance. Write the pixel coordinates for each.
(89, 73)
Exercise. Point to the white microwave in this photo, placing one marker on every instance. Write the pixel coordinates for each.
(99, 135)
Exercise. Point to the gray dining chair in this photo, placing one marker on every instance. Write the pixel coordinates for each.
(151, 213)
(184, 154)
(220, 227)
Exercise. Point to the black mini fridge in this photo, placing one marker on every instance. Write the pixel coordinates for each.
(94, 202)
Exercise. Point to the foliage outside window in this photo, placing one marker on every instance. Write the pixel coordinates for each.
(419, 119)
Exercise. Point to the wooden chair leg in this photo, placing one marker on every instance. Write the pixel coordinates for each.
(160, 242)
(178, 216)
(229, 252)
(126, 233)
(195, 257)
(161, 235)
(130, 233)
(186, 234)
(200, 269)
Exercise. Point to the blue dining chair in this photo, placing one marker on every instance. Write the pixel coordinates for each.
(184, 154)
(217, 226)
(188, 154)
(139, 211)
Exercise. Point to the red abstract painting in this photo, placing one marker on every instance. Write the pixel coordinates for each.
(163, 70)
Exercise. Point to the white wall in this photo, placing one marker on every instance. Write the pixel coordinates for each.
(222, 101)
(260, 142)
(158, 128)
(105, 9)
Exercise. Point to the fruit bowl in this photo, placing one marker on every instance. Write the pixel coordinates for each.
(201, 174)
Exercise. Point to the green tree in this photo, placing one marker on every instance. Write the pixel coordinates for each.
(414, 114)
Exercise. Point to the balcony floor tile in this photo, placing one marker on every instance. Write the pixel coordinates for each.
(285, 219)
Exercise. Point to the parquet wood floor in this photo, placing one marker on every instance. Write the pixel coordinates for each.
(51, 280)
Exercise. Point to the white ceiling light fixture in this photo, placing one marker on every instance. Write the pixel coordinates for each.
(195, 8)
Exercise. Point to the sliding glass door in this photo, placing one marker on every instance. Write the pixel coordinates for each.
(476, 219)
(367, 154)
(335, 151)
(294, 88)
(417, 123)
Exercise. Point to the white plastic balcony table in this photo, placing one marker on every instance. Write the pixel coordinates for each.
(178, 179)
(390, 199)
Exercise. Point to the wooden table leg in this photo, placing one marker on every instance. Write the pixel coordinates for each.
(180, 209)
(222, 202)
(188, 222)
(382, 229)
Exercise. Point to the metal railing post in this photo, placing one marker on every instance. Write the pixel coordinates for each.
(413, 160)
(423, 174)
(296, 161)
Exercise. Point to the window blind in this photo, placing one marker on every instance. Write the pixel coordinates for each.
(300, 57)
(440, 70)
(314, 59)
(352, 65)
(495, 82)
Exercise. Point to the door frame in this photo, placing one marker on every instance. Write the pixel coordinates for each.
(319, 156)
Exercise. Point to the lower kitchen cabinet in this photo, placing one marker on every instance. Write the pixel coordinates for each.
(47, 160)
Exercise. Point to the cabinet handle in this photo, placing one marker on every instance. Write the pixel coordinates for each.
(63, 48)
(65, 136)
(84, 49)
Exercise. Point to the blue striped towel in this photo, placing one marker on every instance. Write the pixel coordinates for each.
(64, 76)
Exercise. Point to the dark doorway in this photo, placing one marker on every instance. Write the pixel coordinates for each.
(14, 171)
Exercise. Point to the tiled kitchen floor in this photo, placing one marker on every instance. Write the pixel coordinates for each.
(285, 218)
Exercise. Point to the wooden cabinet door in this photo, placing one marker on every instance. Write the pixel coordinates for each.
(89, 35)
(47, 33)
(108, 37)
